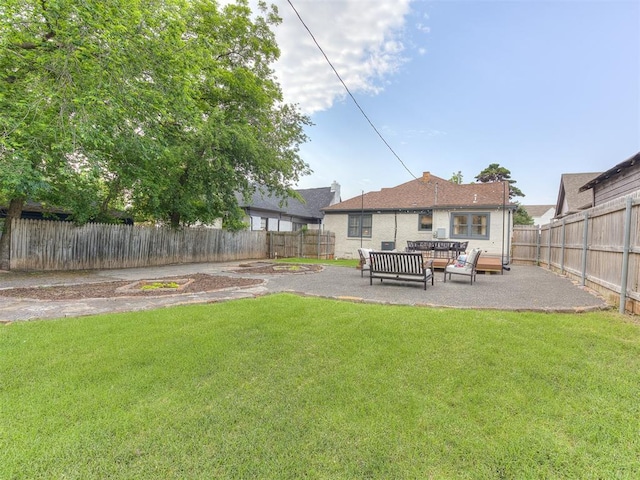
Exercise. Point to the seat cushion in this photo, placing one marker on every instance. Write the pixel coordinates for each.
(471, 258)
(461, 260)
(466, 269)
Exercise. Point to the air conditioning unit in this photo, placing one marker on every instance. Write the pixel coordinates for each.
(388, 245)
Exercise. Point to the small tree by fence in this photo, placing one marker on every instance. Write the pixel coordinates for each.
(51, 245)
(599, 247)
(304, 244)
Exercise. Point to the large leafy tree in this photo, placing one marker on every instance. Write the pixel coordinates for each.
(456, 177)
(496, 173)
(522, 217)
(167, 107)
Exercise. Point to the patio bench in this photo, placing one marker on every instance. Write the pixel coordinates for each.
(399, 266)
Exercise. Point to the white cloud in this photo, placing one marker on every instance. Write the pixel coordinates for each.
(361, 38)
(423, 28)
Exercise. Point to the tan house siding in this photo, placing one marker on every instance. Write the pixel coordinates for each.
(402, 227)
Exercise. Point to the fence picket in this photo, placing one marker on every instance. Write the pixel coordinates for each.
(596, 233)
(53, 245)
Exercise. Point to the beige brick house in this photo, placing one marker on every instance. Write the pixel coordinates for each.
(427, 208)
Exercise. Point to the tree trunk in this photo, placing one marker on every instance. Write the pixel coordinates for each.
(174, 218)
(15, 210)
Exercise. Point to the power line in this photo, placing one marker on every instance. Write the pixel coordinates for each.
(349, 92)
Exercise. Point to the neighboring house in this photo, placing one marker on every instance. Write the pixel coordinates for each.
(423, 209)
(570, 198)
(38, 211)
(265, 211)
(616, 182)
(541, 214)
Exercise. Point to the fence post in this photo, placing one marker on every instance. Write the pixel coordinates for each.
(270, 236)
(549, 252)
(538, 241)
(585, 239)
(301, 244)
(625, 256)
(562, 244)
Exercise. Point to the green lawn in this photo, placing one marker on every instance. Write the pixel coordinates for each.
(288, 387)
(342, 262)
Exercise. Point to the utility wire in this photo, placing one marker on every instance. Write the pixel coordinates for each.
(349, 92)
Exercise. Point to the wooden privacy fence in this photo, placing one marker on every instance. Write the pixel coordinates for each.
(309, 244)
(599, 247)
(52, 245)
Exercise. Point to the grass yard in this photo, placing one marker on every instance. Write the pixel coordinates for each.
(290, 387)
(340, 262)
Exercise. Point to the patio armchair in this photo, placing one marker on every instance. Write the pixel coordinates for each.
(365, 261)
(464, 266)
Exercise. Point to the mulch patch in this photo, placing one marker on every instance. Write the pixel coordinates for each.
(201, 283)
(262, 268)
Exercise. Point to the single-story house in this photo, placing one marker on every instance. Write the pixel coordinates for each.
(38, 211)
(541, 214)
(426, 208)
(265, 211)
(570, 198)
(616, 182)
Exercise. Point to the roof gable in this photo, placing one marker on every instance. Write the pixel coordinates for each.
(570, 198)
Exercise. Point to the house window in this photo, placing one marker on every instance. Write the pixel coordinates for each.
(360, 225)
(470, 225)
(298, 226)
(263, 223)
(425, 221)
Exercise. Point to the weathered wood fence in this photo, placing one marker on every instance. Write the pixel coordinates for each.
(309, 244)
(51, 245)
(599, 248)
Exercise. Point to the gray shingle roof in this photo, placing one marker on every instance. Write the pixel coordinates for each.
(315, 199)
(570, 193)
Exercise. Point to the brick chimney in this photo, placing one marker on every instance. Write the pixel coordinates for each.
(426, 176)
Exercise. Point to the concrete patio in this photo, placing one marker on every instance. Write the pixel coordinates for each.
(521, 289)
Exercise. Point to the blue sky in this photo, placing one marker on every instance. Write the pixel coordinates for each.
(540, 87)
